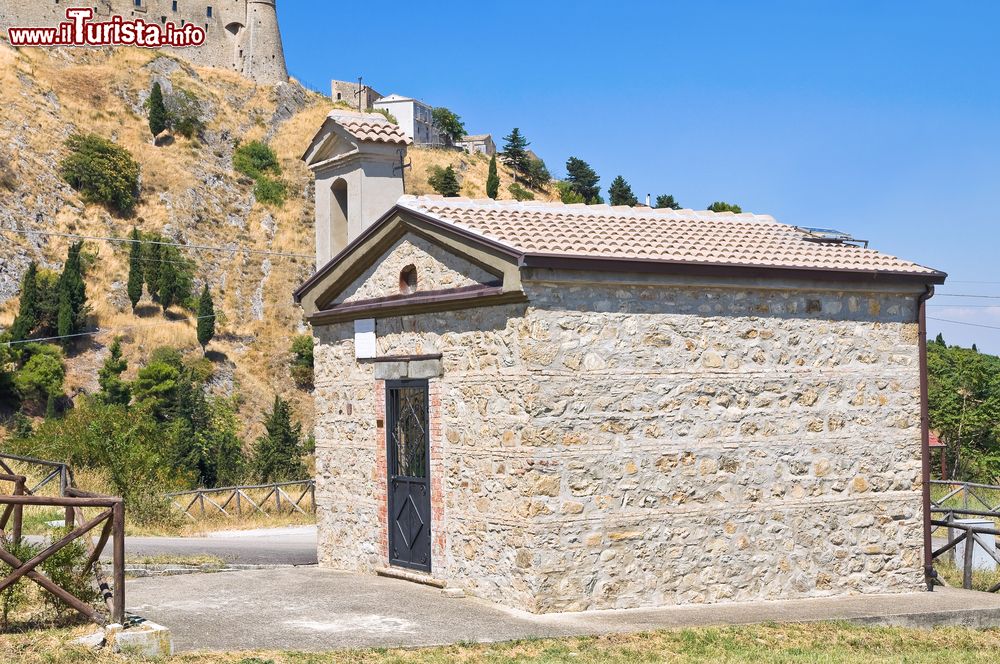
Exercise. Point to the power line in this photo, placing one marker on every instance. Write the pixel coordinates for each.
(979, 297)
(958, 322)
(97, 332)
(118, 240)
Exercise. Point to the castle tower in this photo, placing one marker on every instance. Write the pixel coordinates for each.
(265, 57)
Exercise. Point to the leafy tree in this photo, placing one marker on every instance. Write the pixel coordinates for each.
(620, 193)
(667, 202)
(964, 401)
(569, 195)
(206, 319)
(493, 180)
(159, 119)
(126, 445)
(583, 180)
(40, 379)
(278, 455)
(255, 159)
(537, 175)
(135, 269)
(449, 125)
(27, 314)
(303, 364)
(102, 172)
(185, 112)
(445, 182)
(206, 440)
(940, 340)
(515, 152)
(8, 393)
(114, 390)
(721, 206)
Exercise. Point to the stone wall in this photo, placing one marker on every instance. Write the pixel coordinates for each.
(616, 445)
(242, 35)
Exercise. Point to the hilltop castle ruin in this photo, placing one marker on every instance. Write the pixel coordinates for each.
(242, 35)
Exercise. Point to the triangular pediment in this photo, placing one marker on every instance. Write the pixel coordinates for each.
(329, 143)
(405, 258)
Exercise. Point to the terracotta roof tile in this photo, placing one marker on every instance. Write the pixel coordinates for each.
(685, 236)
(370, 127)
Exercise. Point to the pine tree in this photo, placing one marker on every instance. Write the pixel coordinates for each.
(206, 319)
(515, 152)
(538, 175)
(667, 202)
(940, 340)
(445, 182)
(721, 206)
(135, 272)
(620, 193)
(113, 389)
(493, 180)
(158, 117)
(583, 180)
(27, 315)
(278, 455)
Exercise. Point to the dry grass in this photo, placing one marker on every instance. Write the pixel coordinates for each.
(471, 169)
(826, 643)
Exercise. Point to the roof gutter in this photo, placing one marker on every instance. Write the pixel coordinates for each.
(930, 575)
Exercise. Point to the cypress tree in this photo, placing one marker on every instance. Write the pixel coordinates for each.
(65, 325)
(206, 319)
(135, 273)
(72, 293)
(515, 152)
(151, 257)
(166, 282)
(158, 117)
(493, 180)
(278, 455)
(27, 315)
(620, 193)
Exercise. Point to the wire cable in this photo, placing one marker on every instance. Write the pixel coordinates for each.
(100, 331)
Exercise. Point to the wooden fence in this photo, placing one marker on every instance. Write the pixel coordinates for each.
(960, 500)
(110, 520)
(238, 501)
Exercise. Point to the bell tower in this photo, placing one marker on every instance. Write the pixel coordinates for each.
(265, 57)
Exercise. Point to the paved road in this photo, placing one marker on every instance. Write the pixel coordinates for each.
(312, 609)
(280, 546)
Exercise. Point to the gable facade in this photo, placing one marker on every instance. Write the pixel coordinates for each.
(620, 440)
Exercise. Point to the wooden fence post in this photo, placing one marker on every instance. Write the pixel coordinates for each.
(118, 561)
(970, 543)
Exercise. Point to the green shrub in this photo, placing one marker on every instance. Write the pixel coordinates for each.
(185, 113)
(40, 379)
(270, 191)
(520, 193)
(65, 569)
(16, 597)
(302, 368)
(444, 181)
(255, 159)
(102, 172)
(569, 195)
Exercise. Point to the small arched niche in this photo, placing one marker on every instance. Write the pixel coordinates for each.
(338, 215)
(408, 280)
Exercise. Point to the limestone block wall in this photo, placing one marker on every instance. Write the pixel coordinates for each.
(622, 445)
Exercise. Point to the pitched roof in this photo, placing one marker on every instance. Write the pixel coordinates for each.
(370, 127)
(655, 235)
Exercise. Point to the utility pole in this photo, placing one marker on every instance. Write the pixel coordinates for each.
(360, 93)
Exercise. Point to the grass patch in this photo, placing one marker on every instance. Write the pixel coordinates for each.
(829, 642)
(951, 574)
(199, 560)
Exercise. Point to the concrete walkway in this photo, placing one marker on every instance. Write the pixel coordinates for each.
(310, 609)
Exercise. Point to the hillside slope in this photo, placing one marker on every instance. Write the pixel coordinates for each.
(190, 194)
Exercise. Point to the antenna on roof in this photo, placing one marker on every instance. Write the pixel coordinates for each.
(831, 236)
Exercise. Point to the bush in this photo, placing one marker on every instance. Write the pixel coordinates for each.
(569, 195)
(40, 379)
(444, 181)
(270, 191)
(185, 113)
(520, 193)
(102, 172)
(302, 368)
(255, 159)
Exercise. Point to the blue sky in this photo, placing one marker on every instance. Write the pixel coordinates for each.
(874, 117)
